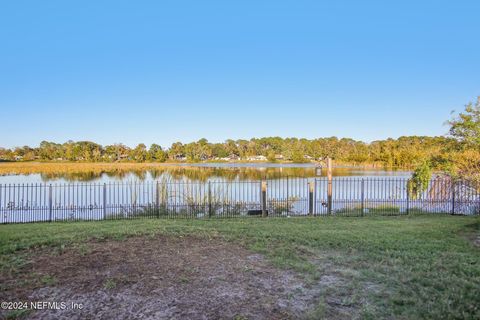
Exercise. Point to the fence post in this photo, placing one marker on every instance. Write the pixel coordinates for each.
(310, 198)
(408, 198)
(104, 201)
(264, 199)
(329, 186)
(288, 195)
(210, 199)
(157, 199)
(363, 197)
(50, 203)
(453, 197)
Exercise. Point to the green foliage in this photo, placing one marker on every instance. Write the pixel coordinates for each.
(156, 154)
(282, 206)
(464, 160)
(466, 126)
(48, 280)
(298, 157)
(139, 154)
(402, 152)
(451, 154)
(466, 165)
(271, 156)
(110, 284)
(198, 151)
(418, 183)
(18, 314)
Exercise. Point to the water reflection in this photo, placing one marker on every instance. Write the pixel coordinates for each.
(200, 174)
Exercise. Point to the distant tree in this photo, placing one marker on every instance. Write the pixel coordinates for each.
(6, 154)
(231, 148)
(97, 154)
(3, 153)
(69, 150)
(466, 165)
(176, 150)
(218, 150)
(139, 154)
(271, 156)
(50, 150)
(242, 147)
(404, 152)
(298, 157)
(116, 152)
(156, 153)
(466, 126)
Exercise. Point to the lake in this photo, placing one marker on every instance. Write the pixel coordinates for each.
(222, 190)
(200, 172)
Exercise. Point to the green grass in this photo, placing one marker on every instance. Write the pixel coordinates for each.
(110, 284)
(422, 266)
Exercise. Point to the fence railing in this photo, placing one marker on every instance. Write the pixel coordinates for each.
(279, 197)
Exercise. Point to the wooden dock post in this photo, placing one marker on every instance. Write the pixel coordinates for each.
(264, 199)
(157, 199)
(210, 208)
(50, 204)
(329, 187)
(104, 201)
(310, 198)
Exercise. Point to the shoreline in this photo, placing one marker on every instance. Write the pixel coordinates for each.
(26, 168)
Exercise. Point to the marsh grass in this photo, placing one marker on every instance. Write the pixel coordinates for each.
(74, 167)
(281, 206)
(88, 171)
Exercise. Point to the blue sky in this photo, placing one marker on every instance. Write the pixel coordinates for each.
(162, 71)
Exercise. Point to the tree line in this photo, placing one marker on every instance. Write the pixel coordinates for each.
(457, 153)
(401, 152)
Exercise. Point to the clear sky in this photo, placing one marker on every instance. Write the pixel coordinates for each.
(162, 71)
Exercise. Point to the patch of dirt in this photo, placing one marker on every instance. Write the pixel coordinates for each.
(162, 278)
(344, 294)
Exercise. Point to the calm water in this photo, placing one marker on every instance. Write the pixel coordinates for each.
(201, 172)
(221, 190)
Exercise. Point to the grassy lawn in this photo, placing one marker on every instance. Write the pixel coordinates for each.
(405, 267)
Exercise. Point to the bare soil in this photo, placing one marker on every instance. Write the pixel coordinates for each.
(161, 277)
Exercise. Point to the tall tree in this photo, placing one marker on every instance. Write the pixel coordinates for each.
(466, 125)
(140, 153)
(156, 153)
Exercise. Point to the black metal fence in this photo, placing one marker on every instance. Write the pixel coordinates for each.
(279, 197)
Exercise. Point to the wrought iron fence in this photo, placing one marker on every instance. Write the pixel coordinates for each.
(279, 197)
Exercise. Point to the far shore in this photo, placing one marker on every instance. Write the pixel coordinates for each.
(29, 167)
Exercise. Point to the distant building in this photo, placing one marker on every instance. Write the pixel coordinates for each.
(257, 158)
(234, 157)
(180, 157)
(229, 158)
